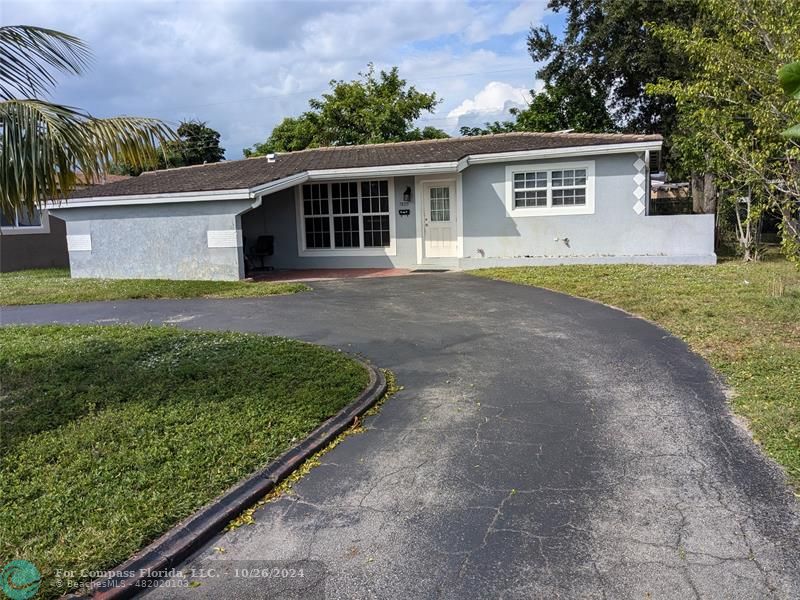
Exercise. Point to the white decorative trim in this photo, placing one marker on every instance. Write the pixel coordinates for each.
(168, 198)
(224, 238)
(549, 210)
(419, 211)
(382, 172)
(460, 214)
(639, 179)
(390, 250)
(280, 184)
(476, 159)
(79, 243)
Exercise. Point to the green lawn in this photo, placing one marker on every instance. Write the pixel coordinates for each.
(54, 286)
(110, 435)
(743, 318)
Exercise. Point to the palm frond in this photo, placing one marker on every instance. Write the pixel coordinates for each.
(29, 55)
(43, 147)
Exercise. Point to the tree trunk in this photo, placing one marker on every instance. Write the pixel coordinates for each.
(704, 193)
(697, 184)
(709, 194)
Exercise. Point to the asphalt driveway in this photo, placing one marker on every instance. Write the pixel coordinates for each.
(542, 447)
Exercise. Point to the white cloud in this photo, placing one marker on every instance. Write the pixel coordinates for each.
(244, 65)
(495, 97)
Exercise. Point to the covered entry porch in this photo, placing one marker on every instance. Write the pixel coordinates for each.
(399, 222)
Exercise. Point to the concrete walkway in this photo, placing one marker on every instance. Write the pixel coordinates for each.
(543, 447)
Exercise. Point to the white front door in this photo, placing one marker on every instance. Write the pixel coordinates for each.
(441, 238)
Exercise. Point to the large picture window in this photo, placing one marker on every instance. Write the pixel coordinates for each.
(554, 189)
(346, 215)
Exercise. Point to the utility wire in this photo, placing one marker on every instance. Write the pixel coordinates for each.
(315, 92)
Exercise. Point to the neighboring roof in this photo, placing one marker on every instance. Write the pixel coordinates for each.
(252, 172)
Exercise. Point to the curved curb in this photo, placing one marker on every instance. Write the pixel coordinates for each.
(186, 537)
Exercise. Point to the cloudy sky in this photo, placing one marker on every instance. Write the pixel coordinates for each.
(244, 65)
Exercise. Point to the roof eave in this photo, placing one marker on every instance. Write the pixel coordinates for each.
(271, 187)
(622, 148)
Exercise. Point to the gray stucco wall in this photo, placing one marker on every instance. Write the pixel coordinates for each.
(614, 233)
(172, 240)
(277, 216)
(162, 241)
(34, 250)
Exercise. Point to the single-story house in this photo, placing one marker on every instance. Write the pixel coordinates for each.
(468, 202)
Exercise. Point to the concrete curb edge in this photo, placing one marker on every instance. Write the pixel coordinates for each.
(187, 536)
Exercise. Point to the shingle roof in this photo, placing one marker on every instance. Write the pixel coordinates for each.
(251, 172)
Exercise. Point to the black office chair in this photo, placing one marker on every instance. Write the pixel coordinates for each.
(265, 246)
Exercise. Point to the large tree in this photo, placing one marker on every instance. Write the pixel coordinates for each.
(555, 108)
(197, 144)
(46, 149)
(596, 72)
(606, 57)
(732, 110)
(377, 107)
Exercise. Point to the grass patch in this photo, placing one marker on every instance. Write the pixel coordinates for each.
(54, 286)
(743, 318)
(113, 434)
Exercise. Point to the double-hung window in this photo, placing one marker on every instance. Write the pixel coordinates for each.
(554, 189)
(345, 216)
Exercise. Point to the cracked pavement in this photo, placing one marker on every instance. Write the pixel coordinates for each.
(543, 446)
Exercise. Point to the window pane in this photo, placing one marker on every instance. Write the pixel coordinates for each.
(580, 176)
(376, 231)
(569, 197)
(375, 196)
(318, 234)
(345, 232)
(440, 204)
(532, 179)
(315, 199)
(530, 199)
(344, 198)
(7, 220)
(27, 219)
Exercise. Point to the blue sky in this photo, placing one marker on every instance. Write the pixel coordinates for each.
(244, 65)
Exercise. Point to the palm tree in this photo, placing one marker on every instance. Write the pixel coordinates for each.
(45, 147)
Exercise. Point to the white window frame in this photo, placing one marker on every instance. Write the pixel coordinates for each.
(43, 227)
(390, 250)
(550, 210)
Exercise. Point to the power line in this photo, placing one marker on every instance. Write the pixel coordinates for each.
(315, 92)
